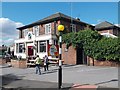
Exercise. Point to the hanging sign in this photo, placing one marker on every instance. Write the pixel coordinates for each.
(53, 50)
(29, 35)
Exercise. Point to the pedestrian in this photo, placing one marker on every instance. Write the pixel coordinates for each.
(38, 63)
(46, 63)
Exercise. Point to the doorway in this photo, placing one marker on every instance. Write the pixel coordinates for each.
(30, 51)
(81, 57)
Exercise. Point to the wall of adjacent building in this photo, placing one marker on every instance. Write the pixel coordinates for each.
(106, 31)
(69, 56)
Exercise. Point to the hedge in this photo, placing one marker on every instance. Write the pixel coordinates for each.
(95, 45)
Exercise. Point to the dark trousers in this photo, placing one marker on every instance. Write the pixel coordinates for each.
(38, 68)
(46, 67)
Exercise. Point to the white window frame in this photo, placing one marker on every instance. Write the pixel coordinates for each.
(36, 30)
(25, 32)
(42, 42)
(73, 27)
(19, 48)
(48, 28)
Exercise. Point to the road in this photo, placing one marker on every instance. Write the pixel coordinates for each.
(78, 74)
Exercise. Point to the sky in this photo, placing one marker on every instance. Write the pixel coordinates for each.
(17, 14)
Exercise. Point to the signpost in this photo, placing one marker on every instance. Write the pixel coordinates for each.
(60, 29)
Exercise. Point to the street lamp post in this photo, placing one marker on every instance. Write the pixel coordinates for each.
(60, 29)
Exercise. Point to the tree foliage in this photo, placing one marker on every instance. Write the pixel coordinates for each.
(94, 45)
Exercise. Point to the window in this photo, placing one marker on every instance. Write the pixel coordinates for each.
(55, 42)
(42, 45)
(48, 28)
(73, 27)
(16, 47)
(36, 30)
(25, 32)
(37, 46)
(21, 48)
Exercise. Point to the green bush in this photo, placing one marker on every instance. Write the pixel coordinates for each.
(94, 45)
(109, 48)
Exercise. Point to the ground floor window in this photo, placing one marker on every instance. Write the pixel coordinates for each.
(16, 47)
(37, 47)
(42, 45)
(55, 42)
(20, 48)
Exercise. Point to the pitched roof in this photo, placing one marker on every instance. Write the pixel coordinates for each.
(56, 16)
(104, 24)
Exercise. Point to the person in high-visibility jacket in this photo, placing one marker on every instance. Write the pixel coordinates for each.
(38, 63)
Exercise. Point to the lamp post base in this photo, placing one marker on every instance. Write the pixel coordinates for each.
(60, 77)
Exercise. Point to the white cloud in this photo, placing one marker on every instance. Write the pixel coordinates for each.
(9, 32)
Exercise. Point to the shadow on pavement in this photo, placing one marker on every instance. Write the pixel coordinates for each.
(12, 82)
(9, 78)
(113, 80)
(50, 71)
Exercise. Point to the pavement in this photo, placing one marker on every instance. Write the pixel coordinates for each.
(74, 77)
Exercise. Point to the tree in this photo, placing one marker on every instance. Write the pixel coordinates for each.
(94, 44)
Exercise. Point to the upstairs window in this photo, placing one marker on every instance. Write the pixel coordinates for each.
(25, 32)
(73, 27)
(48, 28)
(36, 30)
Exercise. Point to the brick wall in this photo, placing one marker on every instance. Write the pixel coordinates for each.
(42, 29)
(67, 26)
(21, 32)
(65, 23)
(19, 64)
(2, 61)
(103, 63)
(70, 56)
(54, 26)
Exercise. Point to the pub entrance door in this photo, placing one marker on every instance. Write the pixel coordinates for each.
(30, 51)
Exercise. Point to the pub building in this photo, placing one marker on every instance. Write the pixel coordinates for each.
(41, 38)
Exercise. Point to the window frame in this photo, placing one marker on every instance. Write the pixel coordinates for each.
(36, 30)
(19, 48)
(49, 28)
(42, 46)
(73, 27)
(25, 32)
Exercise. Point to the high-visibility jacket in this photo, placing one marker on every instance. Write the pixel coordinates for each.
(38, 60)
